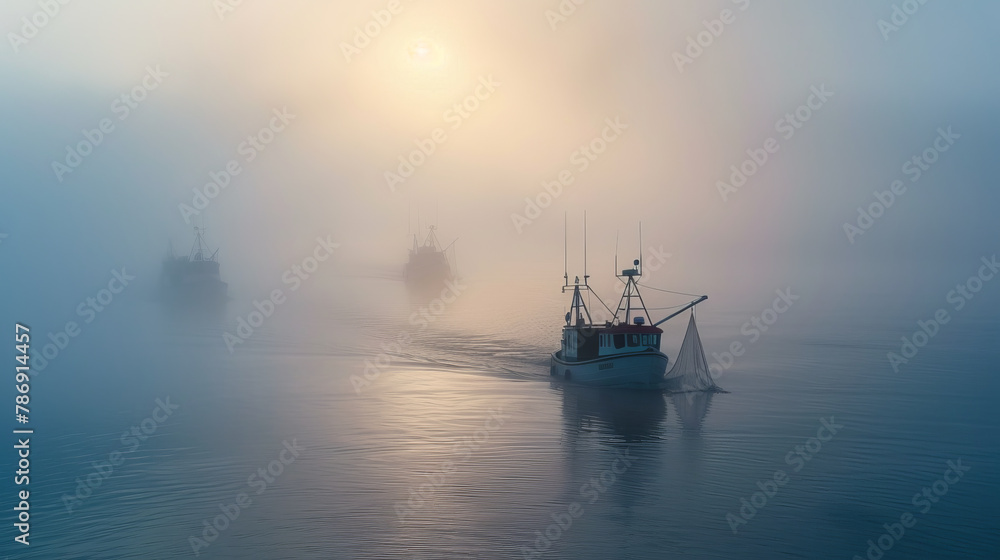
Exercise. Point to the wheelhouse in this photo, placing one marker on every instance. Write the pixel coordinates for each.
(589, 343)
(620, 339)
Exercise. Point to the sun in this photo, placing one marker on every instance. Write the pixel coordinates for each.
(422, 50)
(427, 63)
(426, 53)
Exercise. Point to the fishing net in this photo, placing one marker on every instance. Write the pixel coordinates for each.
(690, 371)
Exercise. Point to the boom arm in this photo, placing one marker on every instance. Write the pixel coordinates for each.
(681, 310)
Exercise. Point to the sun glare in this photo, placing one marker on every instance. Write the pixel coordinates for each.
(425, 52)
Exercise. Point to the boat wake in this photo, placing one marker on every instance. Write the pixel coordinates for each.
(479, 354)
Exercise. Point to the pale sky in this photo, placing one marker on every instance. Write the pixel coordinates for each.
(547, 86)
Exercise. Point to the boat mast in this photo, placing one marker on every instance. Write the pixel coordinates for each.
(432, 239)
(579, 310)
(631, 291)
(565, 253)
(198, 248)
(578, 314)
(631, 286)
(585, 276)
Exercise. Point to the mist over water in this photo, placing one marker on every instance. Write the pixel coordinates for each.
(326, 410)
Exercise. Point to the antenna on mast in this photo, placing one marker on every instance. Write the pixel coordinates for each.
(640, 248)
(616, 253)
(585, 276)
(565, 249)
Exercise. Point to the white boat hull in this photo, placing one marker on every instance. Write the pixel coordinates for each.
(641, 369)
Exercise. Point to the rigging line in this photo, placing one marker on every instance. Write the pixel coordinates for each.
(662, 308)
(602, 301)
(668, 291)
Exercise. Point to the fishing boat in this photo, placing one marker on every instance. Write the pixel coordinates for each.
(193, 279)
(625, 351)
(428, 267)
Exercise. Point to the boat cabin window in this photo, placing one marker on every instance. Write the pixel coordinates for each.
(619, 341)
(633, 340)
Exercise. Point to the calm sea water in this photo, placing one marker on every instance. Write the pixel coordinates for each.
(463, 447)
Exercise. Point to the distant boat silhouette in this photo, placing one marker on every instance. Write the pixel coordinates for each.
(428, 267)
(193, 279)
